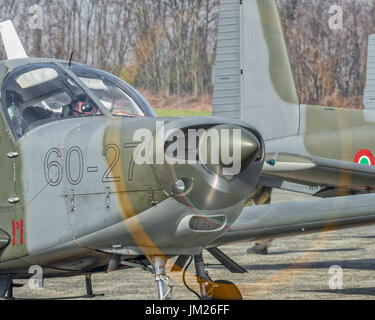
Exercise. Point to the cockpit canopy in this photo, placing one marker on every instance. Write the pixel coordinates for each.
(116, 95)
(35, 94)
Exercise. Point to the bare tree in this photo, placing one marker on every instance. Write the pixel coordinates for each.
(168, 46)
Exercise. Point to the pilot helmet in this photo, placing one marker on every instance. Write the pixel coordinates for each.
(82, 107)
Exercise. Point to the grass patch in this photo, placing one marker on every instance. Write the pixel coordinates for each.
(181, 113)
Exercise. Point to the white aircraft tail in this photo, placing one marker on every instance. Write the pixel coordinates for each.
(12, 43)
(369, 94)
(252, 78)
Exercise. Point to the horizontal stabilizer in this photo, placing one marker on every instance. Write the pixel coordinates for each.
(282, 162)
(12, 43)
(315, 172)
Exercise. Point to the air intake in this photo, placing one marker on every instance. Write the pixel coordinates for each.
(194, 224)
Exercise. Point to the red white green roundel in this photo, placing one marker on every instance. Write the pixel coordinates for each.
(365, 157)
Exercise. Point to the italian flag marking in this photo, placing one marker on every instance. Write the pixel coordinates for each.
(365, 157)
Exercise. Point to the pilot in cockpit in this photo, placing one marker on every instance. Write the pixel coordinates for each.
(80, 106)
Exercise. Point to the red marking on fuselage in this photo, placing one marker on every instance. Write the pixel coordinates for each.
(21, 233)
(17, 229)
(14, 233)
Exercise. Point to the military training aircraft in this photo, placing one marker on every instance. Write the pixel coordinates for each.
(74, 200)
(315, 150)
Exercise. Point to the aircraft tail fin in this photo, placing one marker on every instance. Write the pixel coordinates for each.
(252, 78)
(369, 94)
(12, 43)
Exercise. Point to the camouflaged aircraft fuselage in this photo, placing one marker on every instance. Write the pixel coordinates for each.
(71, 194)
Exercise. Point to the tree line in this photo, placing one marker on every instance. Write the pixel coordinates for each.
(167, 47)
(329, 65)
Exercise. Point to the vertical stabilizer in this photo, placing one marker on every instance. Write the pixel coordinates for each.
(12, 43)
(253, 80)
(369, 95)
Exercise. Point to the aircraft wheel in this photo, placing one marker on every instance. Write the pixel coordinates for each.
(223, 290)
(260, 248)
(260, 195)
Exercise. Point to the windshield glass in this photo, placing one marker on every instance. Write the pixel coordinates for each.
(36, 94)
(117, 100)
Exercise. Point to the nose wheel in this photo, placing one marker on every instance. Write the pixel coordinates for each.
(224, 290)
(209, 289)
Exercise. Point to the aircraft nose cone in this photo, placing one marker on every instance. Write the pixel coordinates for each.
(249, 146)
(228, 146)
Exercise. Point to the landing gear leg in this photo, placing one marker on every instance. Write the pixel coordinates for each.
(10, 292)
(89, 292)
(203, 278)
(164, 284)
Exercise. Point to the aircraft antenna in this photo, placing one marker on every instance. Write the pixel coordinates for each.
(70, 59)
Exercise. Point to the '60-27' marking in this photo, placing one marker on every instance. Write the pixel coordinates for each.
(74, 165)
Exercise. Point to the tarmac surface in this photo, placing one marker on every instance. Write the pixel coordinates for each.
(296, 268)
